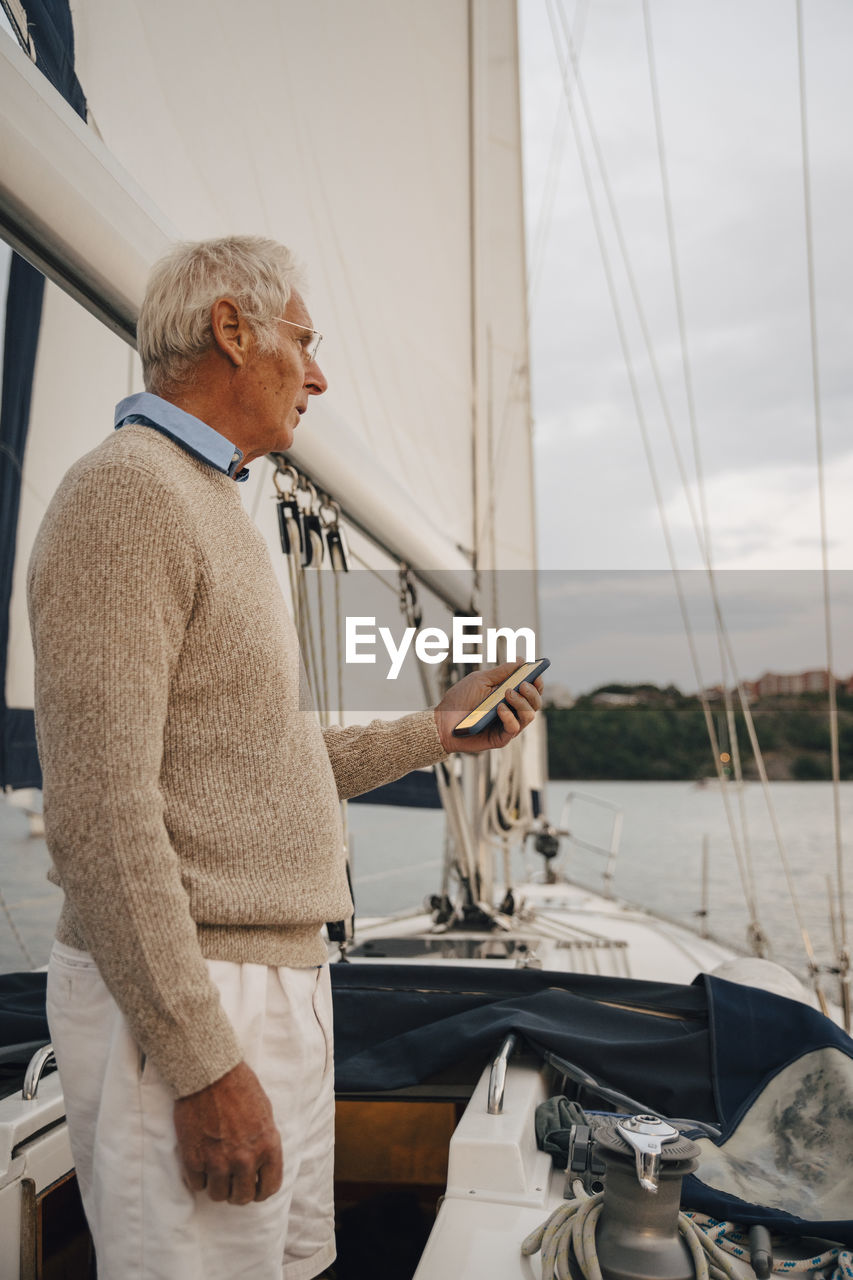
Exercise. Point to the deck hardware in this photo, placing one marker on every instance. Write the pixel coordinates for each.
(760, 1252)
(546, 841)
(313, 542)
(336, 541)
(497, 1075)
(584, 1164)
(40, 1059)
(637, 1233)
(647, 1134)
(289, 527)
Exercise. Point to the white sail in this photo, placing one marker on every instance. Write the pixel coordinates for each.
(383, 144)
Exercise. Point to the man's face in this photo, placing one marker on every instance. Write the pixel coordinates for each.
(279, 384)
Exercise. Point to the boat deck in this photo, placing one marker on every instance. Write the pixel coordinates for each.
(555, 926)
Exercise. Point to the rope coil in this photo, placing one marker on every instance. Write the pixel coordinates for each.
(568, 1236)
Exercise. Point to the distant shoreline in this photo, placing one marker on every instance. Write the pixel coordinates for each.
(645, 733)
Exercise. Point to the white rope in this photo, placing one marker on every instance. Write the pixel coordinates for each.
(835, 1263)
(725, 649)
(635, 393)
(339, 650)
(747, 880)
(568, 1236)
(844, 960)
(462, 837)
(705, 540)
(323, 679)
(381, 575)
(306, 637)
(549, 187)
(727, 655)
(508, 804)
(780, 841)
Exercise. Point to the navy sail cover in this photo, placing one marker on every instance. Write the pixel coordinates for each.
(774, 1075)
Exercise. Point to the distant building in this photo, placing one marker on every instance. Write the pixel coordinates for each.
(716, 692)
(772, 685)
(616, 699)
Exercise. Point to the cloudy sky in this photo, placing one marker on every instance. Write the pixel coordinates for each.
(728, 86)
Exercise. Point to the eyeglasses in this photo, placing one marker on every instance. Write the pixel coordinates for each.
(310, 345)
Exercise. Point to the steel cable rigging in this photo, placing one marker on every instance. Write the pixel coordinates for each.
(554, 8)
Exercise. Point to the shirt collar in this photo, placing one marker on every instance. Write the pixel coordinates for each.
(191, 433)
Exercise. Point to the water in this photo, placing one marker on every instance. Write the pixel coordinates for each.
(397, 860)
(397, 856)
(30, 903)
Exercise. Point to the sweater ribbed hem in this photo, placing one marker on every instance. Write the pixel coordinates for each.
(292, 946)
(295, 946)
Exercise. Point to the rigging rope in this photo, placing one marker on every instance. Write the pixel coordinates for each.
(705, 540)
(746, 879)
(462, 846)
(843, 958)
(339, 648)
(380, 575)
(704, 533)
(549, 188)
(323, 681)
(635, 395)
(719, 623)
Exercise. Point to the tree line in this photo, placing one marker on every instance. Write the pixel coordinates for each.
(660, 734)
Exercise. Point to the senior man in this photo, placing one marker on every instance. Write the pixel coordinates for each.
(191, 803)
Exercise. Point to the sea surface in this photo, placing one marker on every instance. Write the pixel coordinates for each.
(397, 860)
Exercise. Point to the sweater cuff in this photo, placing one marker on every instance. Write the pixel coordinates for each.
(421, 742)
(207, 1059)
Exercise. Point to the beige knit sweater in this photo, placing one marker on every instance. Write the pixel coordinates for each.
(191, 806)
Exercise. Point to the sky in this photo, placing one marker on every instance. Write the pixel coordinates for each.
(728, 89)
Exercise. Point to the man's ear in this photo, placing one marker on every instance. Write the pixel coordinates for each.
(231, 332)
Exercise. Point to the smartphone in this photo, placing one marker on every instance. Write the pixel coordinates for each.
(487, 711)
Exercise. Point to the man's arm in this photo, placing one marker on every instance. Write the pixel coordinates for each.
(112, 584)
(111, 591)
(367, 756)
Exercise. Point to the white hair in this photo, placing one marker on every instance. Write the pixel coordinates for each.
(174, 327)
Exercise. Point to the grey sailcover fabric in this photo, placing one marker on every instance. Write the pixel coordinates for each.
(793, 1148)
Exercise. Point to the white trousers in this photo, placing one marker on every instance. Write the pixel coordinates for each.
(146, 1223)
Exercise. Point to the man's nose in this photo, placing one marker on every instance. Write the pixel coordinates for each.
(315, 379)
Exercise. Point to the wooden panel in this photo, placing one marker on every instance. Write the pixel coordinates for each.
(393, 1142)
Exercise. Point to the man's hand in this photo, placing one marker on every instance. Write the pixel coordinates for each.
(467, 693)
(228, 1141)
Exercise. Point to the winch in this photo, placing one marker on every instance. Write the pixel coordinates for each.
(637, 1235)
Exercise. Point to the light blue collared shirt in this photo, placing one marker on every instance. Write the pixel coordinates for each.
(191, 433)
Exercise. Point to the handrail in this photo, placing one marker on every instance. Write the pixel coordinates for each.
(611, 853)
(38, 1062)
(497, 1075)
